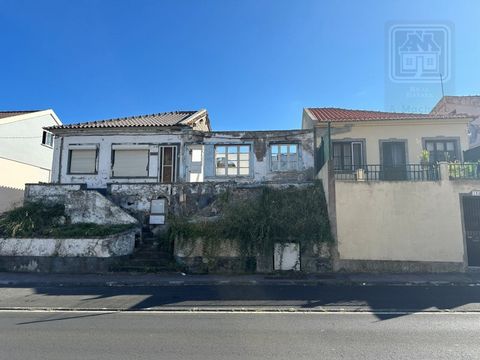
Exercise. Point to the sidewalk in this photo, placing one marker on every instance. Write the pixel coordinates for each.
(169, 279)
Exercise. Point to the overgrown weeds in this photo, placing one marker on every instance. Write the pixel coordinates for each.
(36, 219)
(294, 214)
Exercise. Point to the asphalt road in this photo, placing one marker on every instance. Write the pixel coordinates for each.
(211, 336)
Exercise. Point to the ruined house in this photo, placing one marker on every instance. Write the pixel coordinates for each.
(176, 147)
(168, 163)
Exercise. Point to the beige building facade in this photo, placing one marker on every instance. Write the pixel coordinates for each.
(399, 196)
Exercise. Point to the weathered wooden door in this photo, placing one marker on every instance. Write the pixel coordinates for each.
(471, 220)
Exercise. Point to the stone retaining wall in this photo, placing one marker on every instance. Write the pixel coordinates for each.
(82, 206)
(109, 246)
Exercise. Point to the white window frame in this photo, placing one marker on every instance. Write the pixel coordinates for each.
(279, 160)
(238, 159)
(47, 135)
(352, 167)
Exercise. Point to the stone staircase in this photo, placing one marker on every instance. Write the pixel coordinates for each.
(151, 255)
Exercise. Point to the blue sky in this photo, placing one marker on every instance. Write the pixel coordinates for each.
(254, 64)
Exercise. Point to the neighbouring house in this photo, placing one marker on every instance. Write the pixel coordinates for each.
(468, 105)
(399, 196)
(26, 152)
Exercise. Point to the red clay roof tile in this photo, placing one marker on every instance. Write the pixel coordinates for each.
(346, 115)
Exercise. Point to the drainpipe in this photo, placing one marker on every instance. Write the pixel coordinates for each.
(329, 141)
(59, 177)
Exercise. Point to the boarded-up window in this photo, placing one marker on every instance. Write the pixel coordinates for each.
(130, 163)
(83, 161)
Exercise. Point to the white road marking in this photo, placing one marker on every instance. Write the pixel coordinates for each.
(241, 311)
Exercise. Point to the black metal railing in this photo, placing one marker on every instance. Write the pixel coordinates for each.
(407, 172)
(458, 171)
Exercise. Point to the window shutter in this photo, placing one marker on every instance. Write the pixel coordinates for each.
(130, 163)
(83, 161)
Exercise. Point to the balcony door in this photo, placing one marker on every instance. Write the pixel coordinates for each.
(347, 155)
(394, 160)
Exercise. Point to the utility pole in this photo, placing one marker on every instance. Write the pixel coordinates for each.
(443, 93)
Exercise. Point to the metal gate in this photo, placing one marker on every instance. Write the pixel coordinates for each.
(471, 219)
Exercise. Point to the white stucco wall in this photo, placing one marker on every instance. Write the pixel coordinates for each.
(82, 206)
(403, 221)
(22, 139)
(115, 245)
(260, 156)
(260, 167)
(104, 159)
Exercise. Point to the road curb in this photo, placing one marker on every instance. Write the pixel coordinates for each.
(233, 283)
(323, 310)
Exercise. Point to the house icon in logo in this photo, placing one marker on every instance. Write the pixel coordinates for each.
(419, 53)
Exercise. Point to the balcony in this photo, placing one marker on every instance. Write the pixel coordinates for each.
(464, 171)
(407, 172)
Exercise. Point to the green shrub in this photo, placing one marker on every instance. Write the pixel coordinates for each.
(44, 220)
(275, 216)
(29, 219)
(85, 230)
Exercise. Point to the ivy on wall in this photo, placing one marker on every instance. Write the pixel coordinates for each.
(257, 222)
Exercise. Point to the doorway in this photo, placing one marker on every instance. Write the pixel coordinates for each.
(394, 160)
(471, 220)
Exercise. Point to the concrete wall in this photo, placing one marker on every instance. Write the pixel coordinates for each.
(82, 206)
(114, 245)
(10, 198)
(259, 141)
(197, 258)
(402, 223)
